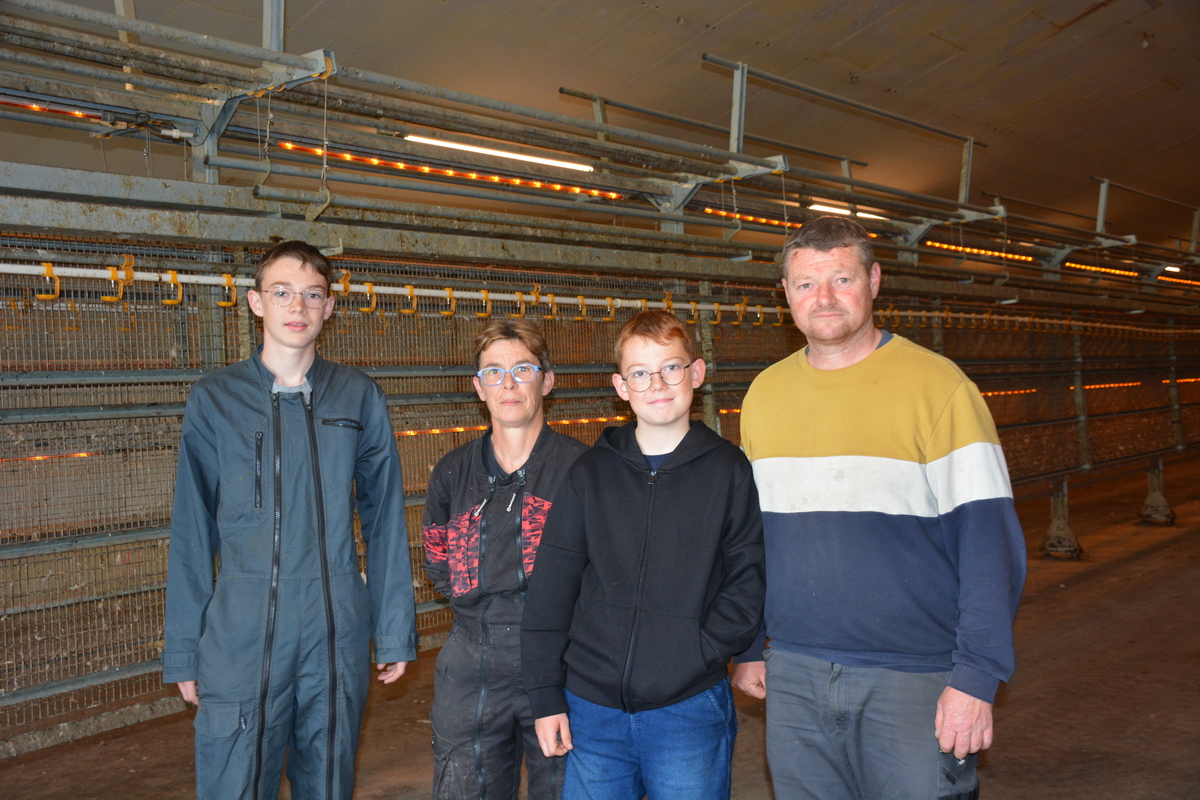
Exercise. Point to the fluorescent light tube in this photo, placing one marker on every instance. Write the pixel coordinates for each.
(487, 151)
(845, 211)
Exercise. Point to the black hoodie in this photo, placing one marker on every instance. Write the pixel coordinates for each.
(647, 582)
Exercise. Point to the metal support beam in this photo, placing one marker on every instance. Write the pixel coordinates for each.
(879, 112)
(737, 115)
(163, 33)
(1102, 206)
(273, 14)
(1059, 542)
(1083, 435)
(1156, 510)
(964, 175)
(708, 126)
(125, 8)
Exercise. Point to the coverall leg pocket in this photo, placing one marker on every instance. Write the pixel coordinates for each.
(222, 763)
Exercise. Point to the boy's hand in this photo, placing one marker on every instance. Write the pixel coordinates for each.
(554, 735)
(189, 692)
(751, 678)
(388, 673)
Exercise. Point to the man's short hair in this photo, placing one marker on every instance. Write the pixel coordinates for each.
(828, 233)
(657, 326)
(519, 330)
(303, 252)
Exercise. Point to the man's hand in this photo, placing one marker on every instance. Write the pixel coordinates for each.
(554, 735)
(388, 673)
(189, 692)
(963, 724)
(751, 678)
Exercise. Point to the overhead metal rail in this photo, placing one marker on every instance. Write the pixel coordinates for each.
(708, 126)
(668, 191)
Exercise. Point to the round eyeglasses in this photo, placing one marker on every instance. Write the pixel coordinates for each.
(281, 297)
(640, 380)
(494, 376)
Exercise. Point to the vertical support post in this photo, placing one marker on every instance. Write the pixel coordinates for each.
(1195, 230)
(202, 172)
(708, 352)
(247, 333)
(125, 8)
(737, 118)
(600, 114)
(964, 174)
(1082, 432)
(1156, 511)
(846, 173)
(939, 339)
(1102, 206)
(1173, 392)
(1059, 542)
(273, 25)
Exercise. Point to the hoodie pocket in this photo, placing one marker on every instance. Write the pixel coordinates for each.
(667, 658)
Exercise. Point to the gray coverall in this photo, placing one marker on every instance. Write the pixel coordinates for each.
(280, 646)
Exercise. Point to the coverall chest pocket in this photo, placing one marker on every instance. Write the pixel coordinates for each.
(246, 471)
(339, 447)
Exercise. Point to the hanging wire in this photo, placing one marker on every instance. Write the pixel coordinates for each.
(146, 155)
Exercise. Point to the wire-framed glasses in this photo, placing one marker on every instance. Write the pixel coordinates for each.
(521, 373)
(281, 296)
(672, 375)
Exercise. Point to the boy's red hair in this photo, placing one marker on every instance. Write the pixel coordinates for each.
(657, 326)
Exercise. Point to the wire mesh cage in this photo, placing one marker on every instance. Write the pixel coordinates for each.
(93, 382)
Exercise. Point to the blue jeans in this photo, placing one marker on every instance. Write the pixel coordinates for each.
(853, 733)
(681, 752)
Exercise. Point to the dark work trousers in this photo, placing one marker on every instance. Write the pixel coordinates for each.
(482, 724)
(858, 733)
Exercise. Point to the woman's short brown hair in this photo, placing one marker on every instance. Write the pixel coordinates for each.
(657, 326)
(520, 330)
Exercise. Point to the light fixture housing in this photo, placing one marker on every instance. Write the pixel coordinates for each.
(487, 151)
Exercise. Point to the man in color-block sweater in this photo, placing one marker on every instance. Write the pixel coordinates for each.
(895, 560)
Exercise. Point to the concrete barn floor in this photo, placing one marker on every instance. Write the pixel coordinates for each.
(1105, 703)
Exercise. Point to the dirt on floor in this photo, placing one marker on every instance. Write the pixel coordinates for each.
(1105, 704)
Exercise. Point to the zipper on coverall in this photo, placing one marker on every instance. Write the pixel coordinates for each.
(330, 627)
(273, 596)
(485, 643)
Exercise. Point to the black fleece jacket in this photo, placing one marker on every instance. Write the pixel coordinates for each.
(646, 582)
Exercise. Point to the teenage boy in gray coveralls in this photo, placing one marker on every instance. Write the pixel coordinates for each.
(275, 454)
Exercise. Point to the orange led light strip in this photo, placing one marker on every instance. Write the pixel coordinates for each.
(1178, 280)
(729, 411)
(465, 429)
(977, 251)
(1009, 391)
(1103, 269)
(49, 110)
(1106, 385)
(451, 173)
(764, 220)
(751, 218)
(1184, 380)
(48, 457)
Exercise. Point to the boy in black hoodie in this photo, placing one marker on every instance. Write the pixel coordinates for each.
(649, 578)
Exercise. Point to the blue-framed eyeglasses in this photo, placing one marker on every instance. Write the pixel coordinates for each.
(521, 373)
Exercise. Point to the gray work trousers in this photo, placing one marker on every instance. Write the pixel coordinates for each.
(858, 733)
(482, 723)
